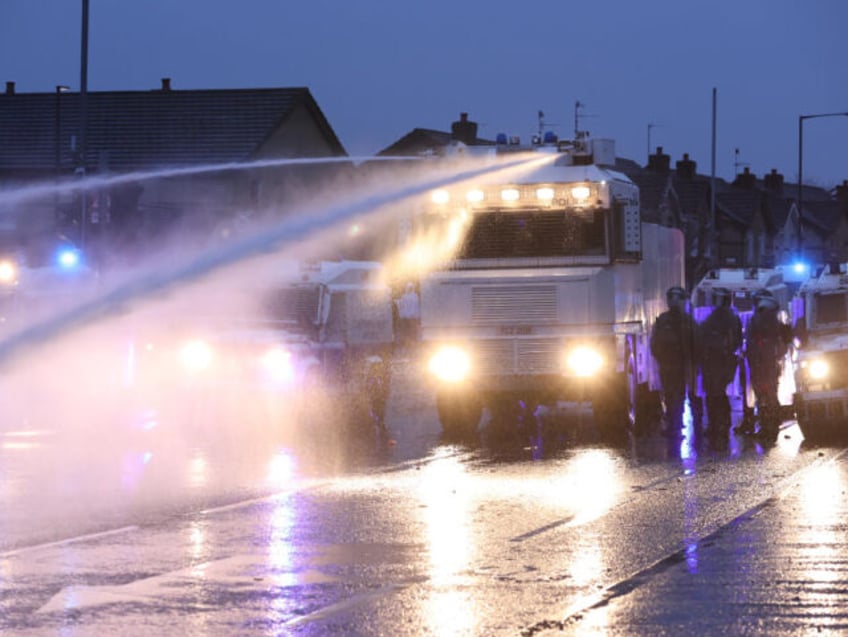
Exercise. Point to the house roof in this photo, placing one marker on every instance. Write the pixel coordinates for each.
(739, 204)
(692, 193)
(824, 215)
(652, 188)
(416, 140)
(778, 209)
(143, 129)
(420, 140)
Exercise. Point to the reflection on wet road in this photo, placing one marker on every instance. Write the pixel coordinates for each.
(230, 528)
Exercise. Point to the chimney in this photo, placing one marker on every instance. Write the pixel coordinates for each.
(842, 192)
(659, 162)
(773, 182)
(686, 167)
(746, 179)
(10, 88)
(166, 84)
(464, 130)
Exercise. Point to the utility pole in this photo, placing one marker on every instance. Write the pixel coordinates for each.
(712, 233)
(60, 88)
(83, 120)
(801, 118)
(577, 106)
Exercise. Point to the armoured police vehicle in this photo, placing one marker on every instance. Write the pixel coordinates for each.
(317, 346)
(550, 289)
(821, 368)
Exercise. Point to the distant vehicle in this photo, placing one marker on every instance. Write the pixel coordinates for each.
(550, 290)
(743, 284)
(318, 346)
(31, 291)
(821, 368)
(9, 282)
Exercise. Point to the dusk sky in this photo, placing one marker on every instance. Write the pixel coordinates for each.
(378, 68)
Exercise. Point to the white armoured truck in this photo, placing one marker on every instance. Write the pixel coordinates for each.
(551, 293)
(821, 367)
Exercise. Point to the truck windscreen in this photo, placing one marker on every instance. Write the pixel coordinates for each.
(831, 308)
(534, 233)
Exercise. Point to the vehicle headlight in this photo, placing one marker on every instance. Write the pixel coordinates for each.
(196, 355)
(450, 364)
(277, 362)
(581, 193)
(584, 361)
(545, 194)
(474, 196)
(510, 194)
(818, 369)
(8, 273)
(440, 197)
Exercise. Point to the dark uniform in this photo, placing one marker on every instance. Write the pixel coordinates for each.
(720, 338)
(673, 346)
(766, 342)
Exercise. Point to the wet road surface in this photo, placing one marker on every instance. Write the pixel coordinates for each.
(250, 531)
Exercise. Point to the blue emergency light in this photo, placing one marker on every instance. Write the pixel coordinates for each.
(68, 258)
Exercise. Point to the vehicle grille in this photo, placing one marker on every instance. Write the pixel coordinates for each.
(524, 305)
(298, 305)
(513, 356)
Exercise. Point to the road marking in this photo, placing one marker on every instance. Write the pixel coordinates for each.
(70, 540)
(398, 468)
(211, 511)
(627, 585)
(542, 529)
(349, 603)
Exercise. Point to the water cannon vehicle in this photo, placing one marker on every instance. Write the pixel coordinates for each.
(548, 287)
(315, 345)
(821, 366)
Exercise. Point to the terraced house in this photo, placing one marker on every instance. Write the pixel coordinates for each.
(166, 130)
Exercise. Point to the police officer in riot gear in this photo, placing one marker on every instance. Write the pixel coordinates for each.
(766, 342)
(720, 337)
(673, 346)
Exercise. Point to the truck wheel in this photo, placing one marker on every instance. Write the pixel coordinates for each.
(648, 410)
(615, 406)
(459, 413)
(806, 430)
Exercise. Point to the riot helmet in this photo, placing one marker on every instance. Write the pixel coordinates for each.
(767, 302)
(721, 297)
(761, 293)
(676, 297)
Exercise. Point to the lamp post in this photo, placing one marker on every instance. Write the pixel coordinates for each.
(83, 120)
(60, 88)
(801, 119)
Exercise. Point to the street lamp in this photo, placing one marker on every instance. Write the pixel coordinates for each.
(60, 88)
(801, 119)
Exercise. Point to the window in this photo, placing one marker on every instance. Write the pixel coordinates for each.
(831, 308)
(534, 233)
